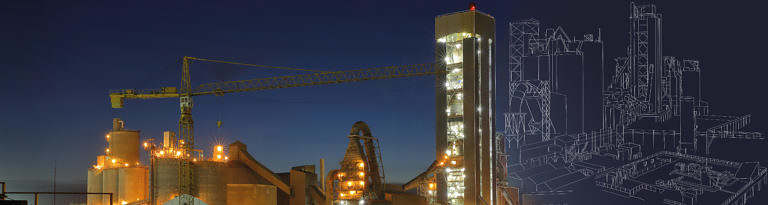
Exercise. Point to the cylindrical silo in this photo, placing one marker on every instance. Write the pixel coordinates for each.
(94, 185)
(132, 185)
(110, 183)
(124, 145)
(208, 179)
(166, 179)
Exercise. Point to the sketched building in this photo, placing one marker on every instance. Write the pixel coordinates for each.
(643, 132)
(555, 89)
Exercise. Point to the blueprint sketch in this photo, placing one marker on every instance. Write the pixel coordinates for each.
(635, 127)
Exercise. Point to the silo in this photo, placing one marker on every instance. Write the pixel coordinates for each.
(95, 181)
(208, 179)
(110, 183)
(166, 179)
(124, 145)
(132, 184)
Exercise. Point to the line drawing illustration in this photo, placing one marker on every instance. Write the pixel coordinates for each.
(636, 128)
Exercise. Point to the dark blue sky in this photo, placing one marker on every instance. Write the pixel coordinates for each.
(58, 60)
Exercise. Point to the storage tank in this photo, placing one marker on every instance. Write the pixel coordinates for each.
(132, 184)
(110, 183)
(166, 179)
(208, 179)
(94, 186)
(124, 145)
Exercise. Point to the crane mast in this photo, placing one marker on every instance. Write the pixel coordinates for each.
(186, 130)
(186, 91)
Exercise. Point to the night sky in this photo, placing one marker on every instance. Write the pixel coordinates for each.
(59, 59)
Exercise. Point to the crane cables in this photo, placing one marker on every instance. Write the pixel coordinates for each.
(254, 65)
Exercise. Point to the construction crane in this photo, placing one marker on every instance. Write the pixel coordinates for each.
(186, 91)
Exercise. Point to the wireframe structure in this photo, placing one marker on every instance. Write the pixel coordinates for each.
(639, 132)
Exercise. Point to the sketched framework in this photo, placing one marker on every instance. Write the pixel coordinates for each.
(639, 131)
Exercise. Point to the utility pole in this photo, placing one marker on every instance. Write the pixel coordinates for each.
(54, 182)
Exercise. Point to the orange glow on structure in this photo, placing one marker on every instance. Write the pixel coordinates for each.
(219, 148)
(361, 165)
(362, 174)
(432, 186)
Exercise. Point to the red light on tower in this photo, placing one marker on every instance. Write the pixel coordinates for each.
(472, 6)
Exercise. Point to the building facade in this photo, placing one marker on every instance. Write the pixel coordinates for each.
(465, 48)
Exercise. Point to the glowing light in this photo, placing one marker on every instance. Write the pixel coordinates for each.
(226, 158)
(349, 183)
(361, 165)
(362, 183)
(218, 156)
(107, 150)
(181, 141)
(361, 174)
(219, 148)
(114, 161)
(178, 153)
(162, 152)
(107, 136)
(432, 186)
(453, 162)
(126, 164)
(352, 192)
(124, 202)
(441, 40)
(146, 145)
(341, 194)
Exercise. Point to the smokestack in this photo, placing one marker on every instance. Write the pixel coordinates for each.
(322, 174)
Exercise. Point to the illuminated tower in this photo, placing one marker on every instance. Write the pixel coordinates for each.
(465, 49)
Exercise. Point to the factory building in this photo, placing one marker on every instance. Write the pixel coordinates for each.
(118, 171)
(229, 175)
(463, 171)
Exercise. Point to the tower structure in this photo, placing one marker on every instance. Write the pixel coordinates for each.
(646, 56)
(465, 49)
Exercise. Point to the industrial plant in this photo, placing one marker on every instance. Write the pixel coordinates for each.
(636, 126)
